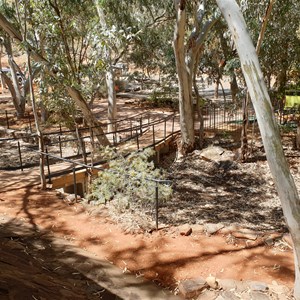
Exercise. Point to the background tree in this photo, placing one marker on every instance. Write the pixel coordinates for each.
(67, 60)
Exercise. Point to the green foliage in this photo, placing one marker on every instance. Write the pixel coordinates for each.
(128, 180)
(164, 98)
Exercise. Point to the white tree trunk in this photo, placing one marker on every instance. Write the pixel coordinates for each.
(268, 126)
(111, 99)
(110, 76)
(184, 81)
(88, 115)
(187, 56)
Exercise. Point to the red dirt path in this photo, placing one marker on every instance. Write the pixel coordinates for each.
(163, 256)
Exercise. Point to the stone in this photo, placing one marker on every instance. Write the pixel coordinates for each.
(211, 228)
(259, 296)
(191, 288)
(185, 229)
(198, 229)
(216, 154)
(245, 234)
(269, 241)
(227, 295)
(227, 284)
(258, 286)
(212, 282)
(279, 289)
(241, 286)
(208, 295)
(71, 198)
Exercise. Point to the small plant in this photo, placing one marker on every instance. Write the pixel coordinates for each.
(128, 180)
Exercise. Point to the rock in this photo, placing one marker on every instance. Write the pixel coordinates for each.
(227, 295)
(198, 229)
(269, 241)
(258, 286)
(71, 198)
(227, 284)
(259, 296)
(191, 288)
(208, 295)
(185, 229)
(245, 234)
(212, 282)
(211, 228)
(279, 289)
(216, 154)
(241, 286)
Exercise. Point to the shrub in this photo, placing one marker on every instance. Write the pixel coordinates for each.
(128, 181)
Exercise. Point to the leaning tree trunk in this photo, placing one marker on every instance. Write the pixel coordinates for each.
(268, 127)
(88, 115)
(18, 99)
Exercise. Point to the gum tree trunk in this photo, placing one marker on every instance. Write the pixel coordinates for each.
(184, 81)
(283, 179)
(110, 76)
(187, 55)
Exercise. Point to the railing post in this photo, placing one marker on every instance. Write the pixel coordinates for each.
(29, 120)
(137, 140)
(83, 151)
(75, 183)
(156, 205)
(20, 156)
(131, 129)
(141, 125)
(7, 121)
(153, 135)
(48, 165)
(173, 124)
(214, 110)
(165, 129)
(60, 131)
(60, 149)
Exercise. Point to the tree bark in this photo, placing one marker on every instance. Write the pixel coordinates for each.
(111, 99)
(88, 115)
(283, 179)
(110, 76)
(184, 81)
(19, 100)
(186, 57)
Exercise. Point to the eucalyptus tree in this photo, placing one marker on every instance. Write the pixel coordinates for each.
(187, 54)
(16, 81)
(122, 33)
(280, 48)
(62, 44)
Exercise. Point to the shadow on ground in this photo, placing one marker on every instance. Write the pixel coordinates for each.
(32, 267)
